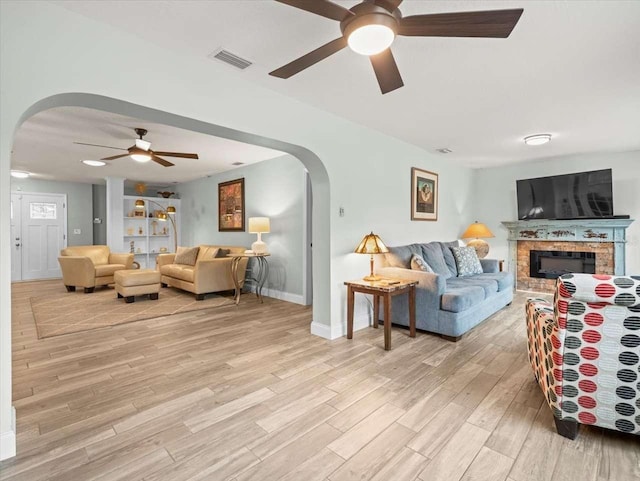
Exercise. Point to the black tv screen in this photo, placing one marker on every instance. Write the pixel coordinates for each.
(570, 196)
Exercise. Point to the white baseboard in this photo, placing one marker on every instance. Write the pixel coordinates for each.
(283, 296)
(8, 439)
(338, 330)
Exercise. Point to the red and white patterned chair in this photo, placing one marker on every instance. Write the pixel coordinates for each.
(585, 351)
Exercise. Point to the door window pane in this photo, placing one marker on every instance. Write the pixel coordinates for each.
(42, 210)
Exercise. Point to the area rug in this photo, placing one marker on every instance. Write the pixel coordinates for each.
(67, 312)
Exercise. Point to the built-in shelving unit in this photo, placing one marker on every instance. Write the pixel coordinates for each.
(150, 235)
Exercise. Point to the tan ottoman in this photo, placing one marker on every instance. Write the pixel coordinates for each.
(130, 283)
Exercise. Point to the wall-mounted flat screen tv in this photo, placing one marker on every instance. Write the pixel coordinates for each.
(570, 196)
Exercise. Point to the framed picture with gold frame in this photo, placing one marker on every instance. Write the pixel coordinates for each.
(231, 206)
(424, 195)
(140, 213)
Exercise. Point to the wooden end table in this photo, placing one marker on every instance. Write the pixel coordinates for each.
(385, 289)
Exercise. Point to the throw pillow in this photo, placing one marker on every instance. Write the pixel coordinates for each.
(223, 253)
(214, 253)
(467, 261)
(187, 255)
(418, 264)
(448, 256)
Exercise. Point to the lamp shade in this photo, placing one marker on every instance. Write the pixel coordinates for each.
(371, 244)
(171, 210)
(139, 204)
(259, 225)
(477, 230)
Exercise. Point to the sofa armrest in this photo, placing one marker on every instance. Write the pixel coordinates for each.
(164, 259)
(490, 265)
(126, 259)
(77, 271)
(426, 280)
(213, 275)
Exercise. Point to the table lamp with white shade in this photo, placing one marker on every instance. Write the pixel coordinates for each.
(259, 225)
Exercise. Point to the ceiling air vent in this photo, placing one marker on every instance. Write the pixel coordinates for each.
(230, 58)
(238, 163)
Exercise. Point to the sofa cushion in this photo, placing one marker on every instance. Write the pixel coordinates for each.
(179, 271)
(467, 261)
(489, 286)
(448, 256)
(432, 254)
(222, 253)
(207, 252)
(419, 264)
(400, 256)
(458, 299)
(504, 280)
(105, 270)
(187, 255)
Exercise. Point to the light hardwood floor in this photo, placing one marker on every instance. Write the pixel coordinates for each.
(246, 393)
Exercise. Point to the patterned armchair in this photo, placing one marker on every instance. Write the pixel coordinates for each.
(585, 351)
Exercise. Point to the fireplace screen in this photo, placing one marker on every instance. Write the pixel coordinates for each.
(553, 264)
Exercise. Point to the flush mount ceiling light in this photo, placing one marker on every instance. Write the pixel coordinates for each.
(20, 174)
(139, 155)
(537, 139)
(370, 36)
(94, 163)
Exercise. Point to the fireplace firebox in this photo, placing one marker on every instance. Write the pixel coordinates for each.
(553, 264)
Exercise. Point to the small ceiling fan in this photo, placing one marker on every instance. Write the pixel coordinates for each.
(370, 27)
(141, 151)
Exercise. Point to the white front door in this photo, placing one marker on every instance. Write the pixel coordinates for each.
(16, 238)
(42, 234)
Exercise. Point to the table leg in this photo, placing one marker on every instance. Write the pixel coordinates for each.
(387, 321)
(376, 310)
(263, 274)
(350, 295)
(412, 311)
(234, 275)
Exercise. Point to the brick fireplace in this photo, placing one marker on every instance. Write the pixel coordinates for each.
(603, 237)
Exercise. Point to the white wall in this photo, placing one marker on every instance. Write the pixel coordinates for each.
(273, 188)
(369, 173)
(495, 194)
(79, 205)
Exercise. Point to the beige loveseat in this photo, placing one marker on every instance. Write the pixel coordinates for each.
(91, 266)
(209, 274)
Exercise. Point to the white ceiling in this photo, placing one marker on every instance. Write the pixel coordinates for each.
(570, 68)
(44, 146)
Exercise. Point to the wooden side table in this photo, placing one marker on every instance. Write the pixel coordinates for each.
(385, 289)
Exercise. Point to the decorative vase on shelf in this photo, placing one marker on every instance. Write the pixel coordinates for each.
(140, 231)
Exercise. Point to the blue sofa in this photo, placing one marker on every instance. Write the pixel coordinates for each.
(445, 303)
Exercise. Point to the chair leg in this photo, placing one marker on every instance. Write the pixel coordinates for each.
(129, 299)
(71, 288)
(119, 296)
(153, 296)
(89, 290)
(566, 428)
(199, 297)
(162, 284)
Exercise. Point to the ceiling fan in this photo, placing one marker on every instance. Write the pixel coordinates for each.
(141, 151)
(370, 27)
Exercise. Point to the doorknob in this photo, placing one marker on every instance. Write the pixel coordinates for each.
(17, 245)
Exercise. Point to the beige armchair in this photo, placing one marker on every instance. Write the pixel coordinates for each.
(91, 266)
(209, 274)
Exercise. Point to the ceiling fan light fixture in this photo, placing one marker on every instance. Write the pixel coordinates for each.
(538, 139)
(94, 163)
(143, 144)
(140, 155)
(371, 39)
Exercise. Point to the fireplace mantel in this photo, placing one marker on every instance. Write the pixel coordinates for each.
(576, 230)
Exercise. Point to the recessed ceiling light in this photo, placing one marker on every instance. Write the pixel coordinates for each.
(20, 174)
(537, 139)
(94, 163)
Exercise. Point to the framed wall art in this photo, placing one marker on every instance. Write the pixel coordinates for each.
(231, 206)
(424, 195)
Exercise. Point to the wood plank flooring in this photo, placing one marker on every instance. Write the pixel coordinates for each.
(246, 393)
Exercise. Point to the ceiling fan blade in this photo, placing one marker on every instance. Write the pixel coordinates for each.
(323, 8)
(387, 73)
(115, 157)
(389, 5)
(161, 161)
(176, 154)
(491, 23)
(96, 145)
(310, 59)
